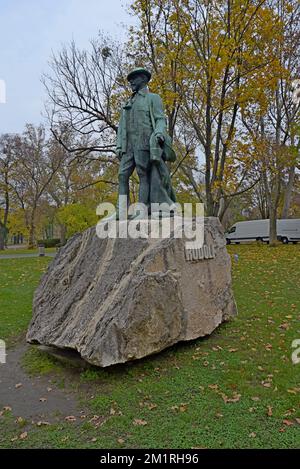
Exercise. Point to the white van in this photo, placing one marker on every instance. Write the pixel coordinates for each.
(258, 230)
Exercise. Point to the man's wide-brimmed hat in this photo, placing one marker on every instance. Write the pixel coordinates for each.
(139, 71)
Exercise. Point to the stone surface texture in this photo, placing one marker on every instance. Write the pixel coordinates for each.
(116, 300)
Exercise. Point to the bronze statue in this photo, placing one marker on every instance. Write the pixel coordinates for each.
(143, 143)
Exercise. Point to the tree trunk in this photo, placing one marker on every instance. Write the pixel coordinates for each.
(3, 224)
(273, 227)
(2, 236)
(273, 209)
(31, 237)
(63, 232)
(288, 193)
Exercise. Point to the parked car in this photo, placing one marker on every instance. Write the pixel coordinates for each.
(258, 230)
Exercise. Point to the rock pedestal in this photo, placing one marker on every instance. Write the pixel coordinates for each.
(115, 300)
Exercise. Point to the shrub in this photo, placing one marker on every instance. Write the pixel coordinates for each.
(49, 243)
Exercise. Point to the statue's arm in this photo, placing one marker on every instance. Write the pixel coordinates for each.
(119, 136)
(159, 115)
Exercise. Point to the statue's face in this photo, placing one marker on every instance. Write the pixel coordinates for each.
(138, 81)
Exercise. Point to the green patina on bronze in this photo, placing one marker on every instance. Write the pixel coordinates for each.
(143, 143)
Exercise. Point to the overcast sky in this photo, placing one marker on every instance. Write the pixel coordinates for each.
(29, 31)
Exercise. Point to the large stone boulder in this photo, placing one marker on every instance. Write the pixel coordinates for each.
(115, 300)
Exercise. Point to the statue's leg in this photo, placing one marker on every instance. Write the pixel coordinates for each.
(143, 171)
(126, 168)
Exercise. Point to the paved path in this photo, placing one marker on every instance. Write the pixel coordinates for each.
(17, 256)
(29, 397)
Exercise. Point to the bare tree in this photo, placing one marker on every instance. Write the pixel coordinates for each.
(75, 176)
(33, 172)
(84, 89)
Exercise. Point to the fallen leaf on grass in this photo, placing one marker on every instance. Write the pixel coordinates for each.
(213, 386)
(236, 397)
(140, 422)
(23, 436)
(20, 420)
(266, 384)
(97, 421)
(217, 348)
(288, 422)
(151, 406)
(284, 326)
(252, 435)
(269, 411)
(7, 409)
(255, 398)
(121, 441)
(43, 423)
(70, 418)
(293, 390)
(183, 407)
(289, 412)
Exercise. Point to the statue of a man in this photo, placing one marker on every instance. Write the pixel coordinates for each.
(143, 143)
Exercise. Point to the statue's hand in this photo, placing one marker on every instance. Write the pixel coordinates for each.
(160, 138)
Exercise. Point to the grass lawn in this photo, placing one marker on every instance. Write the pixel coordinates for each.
(18, 278)
(12, 251)
(237, 388)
